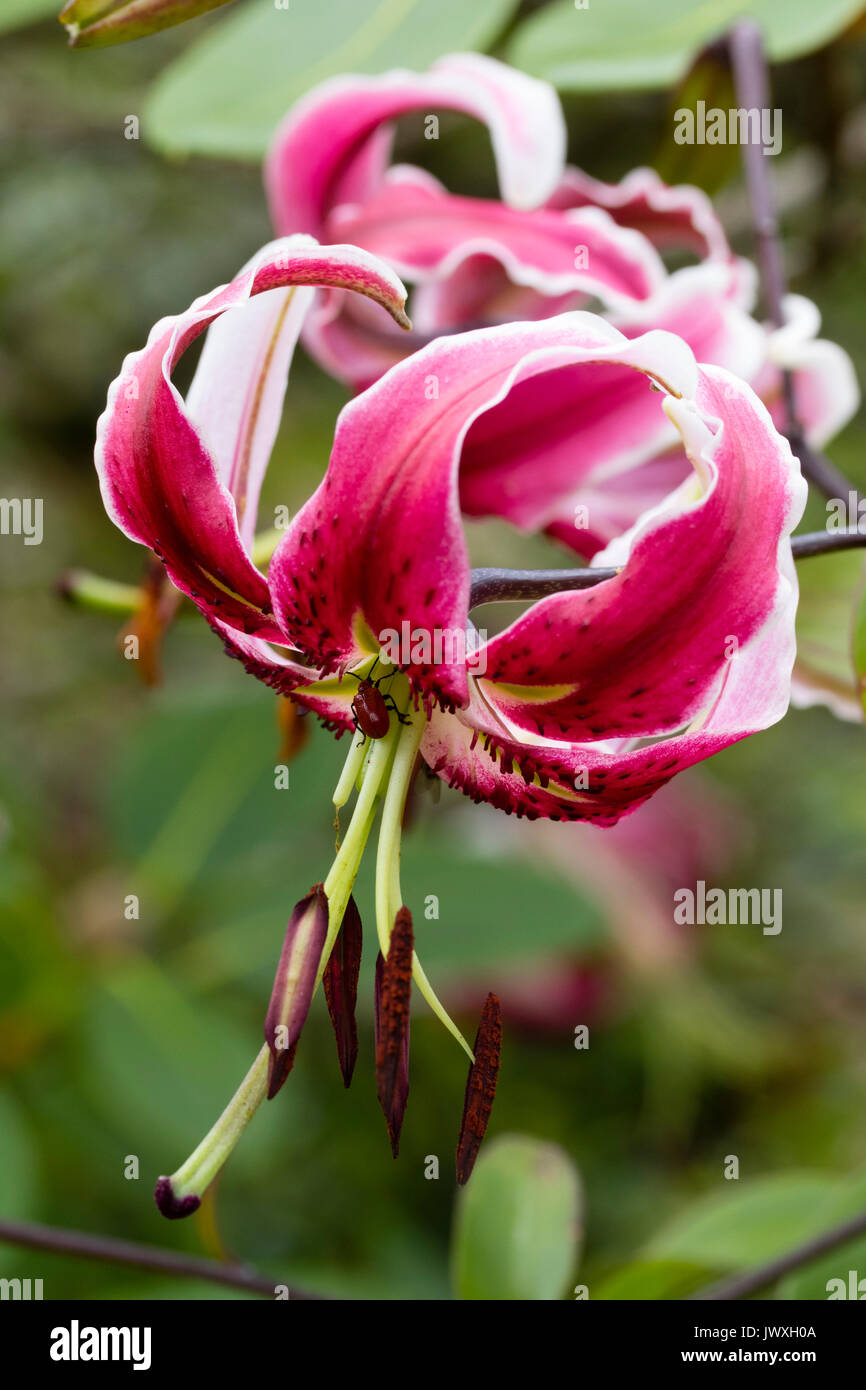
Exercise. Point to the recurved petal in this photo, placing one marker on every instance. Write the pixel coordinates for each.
(312, 165)
(640, 655)
(236, 397)
(694, 638)
(671, 216)
(287, 673)
(826, 392)
(426, 232)
(160, 482)
(602, 782)
(595, 453)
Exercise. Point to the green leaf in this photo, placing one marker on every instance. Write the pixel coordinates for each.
(161, 1066)
(811, 1281)
(16, 14)
(17, 1161)
(518, 1224)
(226, 94)
(632, 44)
(746, 1223)
(652, 1280)
(101, 23)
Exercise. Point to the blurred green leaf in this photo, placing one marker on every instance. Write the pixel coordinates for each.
(161, 1066)
(709, 80)
(489, 910)
(226, 94)
(17, 1161)
(15, 14)
(518, 1223)
(100, 23)
(652, 1280)
(858, 644)
(635, 45)
(826, 648)
(811, 1281)
(746, 1222)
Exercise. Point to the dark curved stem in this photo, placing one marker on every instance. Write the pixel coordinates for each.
(493, 585)
(825, 542)
(752, 84)
(124, 1252)
(744, 1285)
(490, 585)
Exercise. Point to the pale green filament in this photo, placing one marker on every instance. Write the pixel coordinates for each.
(344, 870)
(351, 769)
(389, 898)
(203, 1164)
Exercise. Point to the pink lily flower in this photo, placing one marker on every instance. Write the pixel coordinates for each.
(558, 240)
(579, 710)
(329, 167)
(620, 686)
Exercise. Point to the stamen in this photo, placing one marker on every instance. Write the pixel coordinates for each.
(389, 898)
(393, 994)
(480, 1088)
(351, 769)
(180, 1194)
(340, 982)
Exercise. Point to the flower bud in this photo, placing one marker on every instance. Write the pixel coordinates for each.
(294, 983)
(98, 23)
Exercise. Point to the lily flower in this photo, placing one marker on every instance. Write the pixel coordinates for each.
(557, 240)
(579, 710)
(472, 259)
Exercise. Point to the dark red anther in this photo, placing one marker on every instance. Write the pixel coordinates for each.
(393, 992)
(370, 710)
(480, 1088)
(341, 988)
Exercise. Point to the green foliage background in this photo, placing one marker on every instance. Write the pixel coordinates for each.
(121, 1038)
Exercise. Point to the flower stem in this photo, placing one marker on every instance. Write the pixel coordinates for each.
(86, 1246)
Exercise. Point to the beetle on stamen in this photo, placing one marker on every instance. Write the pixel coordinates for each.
(371, 708)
